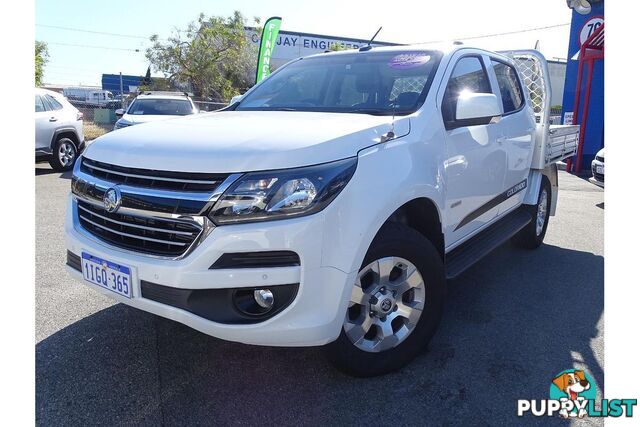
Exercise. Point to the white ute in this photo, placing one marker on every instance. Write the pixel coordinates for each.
(328, 205)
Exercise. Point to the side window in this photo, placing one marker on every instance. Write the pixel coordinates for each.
(510, 90)
(468, 75)
(39, 104)
(54, 103)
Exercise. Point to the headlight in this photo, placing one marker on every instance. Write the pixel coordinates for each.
(260, 196)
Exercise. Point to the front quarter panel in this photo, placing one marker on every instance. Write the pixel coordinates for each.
(388, 176)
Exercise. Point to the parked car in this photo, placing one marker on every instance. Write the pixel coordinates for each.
(328, 205)
(59, 130)
(90, 97)
(597, 169)
(153, 106)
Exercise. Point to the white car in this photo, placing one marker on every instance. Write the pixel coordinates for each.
(154, 106)
(59, 130)
(597, 169)
(328, 205)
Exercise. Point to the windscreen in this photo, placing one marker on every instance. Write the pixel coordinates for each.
(160, 107)
(361, 82)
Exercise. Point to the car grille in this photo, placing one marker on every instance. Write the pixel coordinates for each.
(161, 180)
(156, 236)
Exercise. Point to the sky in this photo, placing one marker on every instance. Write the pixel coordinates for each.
(81, 57)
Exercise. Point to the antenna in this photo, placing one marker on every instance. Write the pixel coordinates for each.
(368, 46)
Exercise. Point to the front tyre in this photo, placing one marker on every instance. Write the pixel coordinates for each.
(531, 236)
(64, 155)
(395, 304)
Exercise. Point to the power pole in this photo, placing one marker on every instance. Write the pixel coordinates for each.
(121, 92)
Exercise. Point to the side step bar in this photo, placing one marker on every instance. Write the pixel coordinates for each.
(473, 250)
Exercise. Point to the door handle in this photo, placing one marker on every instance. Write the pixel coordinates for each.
(53, 119)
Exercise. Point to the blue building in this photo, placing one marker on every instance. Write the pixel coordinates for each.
(111, 82)
(583, 26)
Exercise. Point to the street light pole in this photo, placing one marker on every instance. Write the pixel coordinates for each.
(121, 92)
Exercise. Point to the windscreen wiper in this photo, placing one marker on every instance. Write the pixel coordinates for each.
(373, 111)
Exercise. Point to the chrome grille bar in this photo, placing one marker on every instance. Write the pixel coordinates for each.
(134, 236)
(130, 224)
(151, 177)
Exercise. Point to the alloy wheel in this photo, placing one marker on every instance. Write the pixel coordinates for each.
(386, 303)
(541, 216)
(66, 153)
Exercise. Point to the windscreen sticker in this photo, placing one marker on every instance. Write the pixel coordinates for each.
(409, 60)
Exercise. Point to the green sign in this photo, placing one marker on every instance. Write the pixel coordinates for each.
(267, 44)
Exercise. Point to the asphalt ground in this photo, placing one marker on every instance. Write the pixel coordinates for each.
(511, 323)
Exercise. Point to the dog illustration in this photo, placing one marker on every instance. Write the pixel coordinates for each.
(572, 383)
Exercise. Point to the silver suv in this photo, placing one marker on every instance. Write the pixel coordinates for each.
(59, 131)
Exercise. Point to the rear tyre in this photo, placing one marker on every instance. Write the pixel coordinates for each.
(395, 304)
(64, 155)
(533, 234)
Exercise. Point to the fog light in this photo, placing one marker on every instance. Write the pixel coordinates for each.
(264, 298)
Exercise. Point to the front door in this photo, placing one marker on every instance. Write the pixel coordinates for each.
(475, 161)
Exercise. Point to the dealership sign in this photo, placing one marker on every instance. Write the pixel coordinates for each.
(590, 27)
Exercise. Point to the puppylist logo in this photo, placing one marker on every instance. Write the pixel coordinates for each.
(572, 394)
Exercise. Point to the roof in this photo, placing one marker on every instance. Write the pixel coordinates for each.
(444, 48)
(166, 95)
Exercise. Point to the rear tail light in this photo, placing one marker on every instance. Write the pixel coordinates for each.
(79, 115)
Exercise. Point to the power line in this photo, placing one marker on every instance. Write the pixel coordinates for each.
(500, 34)
(94, 47)
(104, 33)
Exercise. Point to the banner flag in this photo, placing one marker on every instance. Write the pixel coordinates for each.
(267, 44)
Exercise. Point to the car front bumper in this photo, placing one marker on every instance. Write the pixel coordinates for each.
(314, 317)
(597, 178)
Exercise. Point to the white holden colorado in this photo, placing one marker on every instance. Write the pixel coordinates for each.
(329, 204)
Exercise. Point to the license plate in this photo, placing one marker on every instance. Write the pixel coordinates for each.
(600, 169)
(109, 275)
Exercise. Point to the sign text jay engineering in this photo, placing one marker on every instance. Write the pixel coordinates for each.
(290, 45)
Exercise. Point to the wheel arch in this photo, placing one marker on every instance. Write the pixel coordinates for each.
(422, 215)
(69, 132)
(550, 172)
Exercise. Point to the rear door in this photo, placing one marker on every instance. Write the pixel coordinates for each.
(475, 162)
(516, 131)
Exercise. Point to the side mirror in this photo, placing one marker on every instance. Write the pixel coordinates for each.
(235, 99)
(120, 112)
(478, 108)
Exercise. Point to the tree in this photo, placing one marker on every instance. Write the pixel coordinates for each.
(212, 58)
(42, 57)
